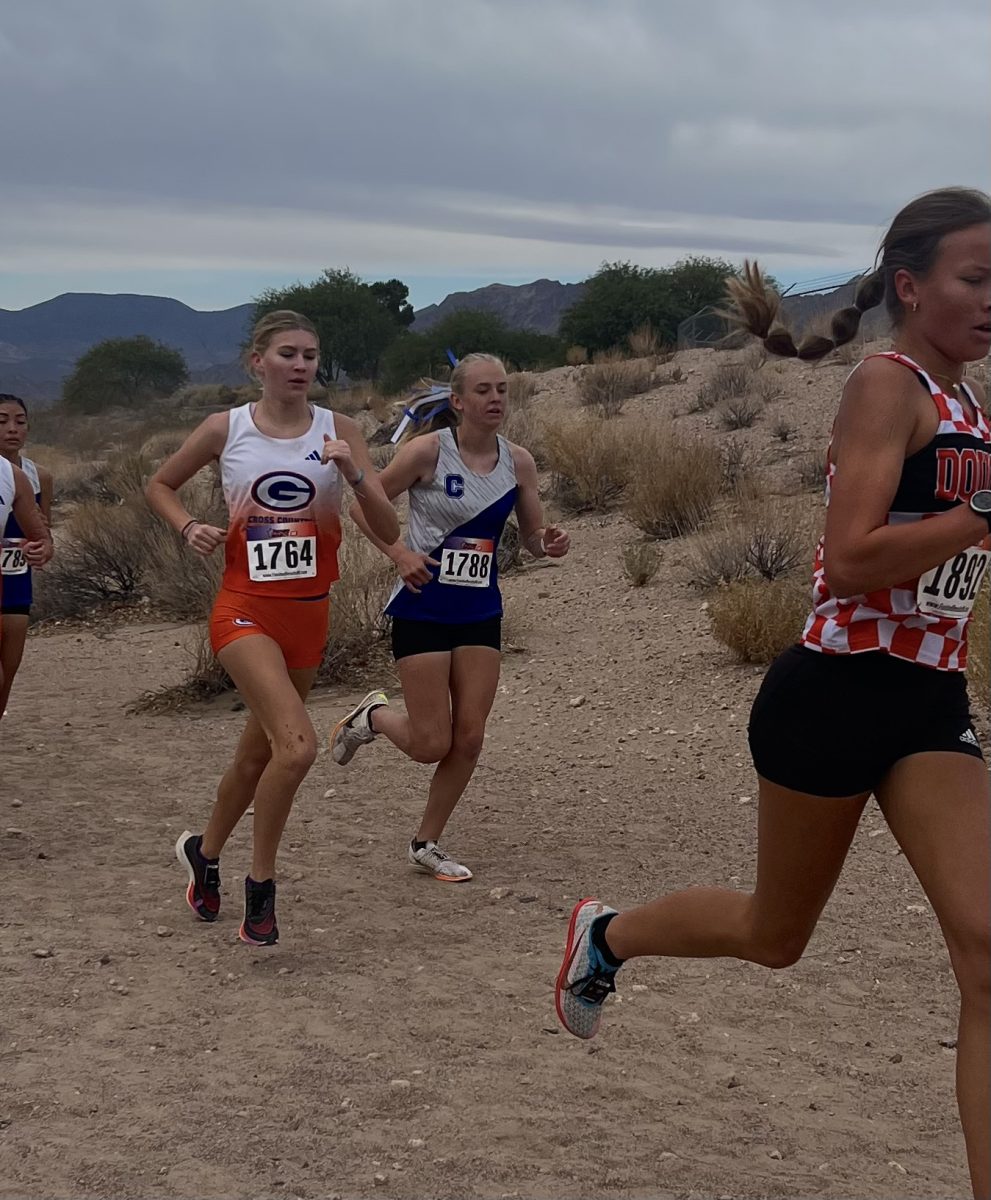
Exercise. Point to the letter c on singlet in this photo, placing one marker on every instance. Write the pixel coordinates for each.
(283, 491)
(454, 485)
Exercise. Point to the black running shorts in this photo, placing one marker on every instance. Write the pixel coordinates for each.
(433, 637)
(835, 724)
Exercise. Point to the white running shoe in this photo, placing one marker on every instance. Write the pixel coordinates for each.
(432, 860)
(355, 730)
(584, 981)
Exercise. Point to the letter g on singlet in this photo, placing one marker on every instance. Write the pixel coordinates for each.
(283, 491)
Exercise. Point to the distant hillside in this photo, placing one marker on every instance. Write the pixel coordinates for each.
(538, 306)
(39, 345)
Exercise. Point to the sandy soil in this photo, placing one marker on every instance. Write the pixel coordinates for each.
(401, 1041)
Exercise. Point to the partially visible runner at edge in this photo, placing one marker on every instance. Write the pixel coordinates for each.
(873, 700)
(283, 463)
(15, 567)
(463, 480)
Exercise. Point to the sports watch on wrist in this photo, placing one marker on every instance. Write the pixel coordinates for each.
(980, 502)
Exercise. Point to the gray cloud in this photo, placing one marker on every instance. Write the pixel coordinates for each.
(621, 126)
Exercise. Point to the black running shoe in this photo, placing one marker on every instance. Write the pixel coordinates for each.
(203, 893)
(258, 927)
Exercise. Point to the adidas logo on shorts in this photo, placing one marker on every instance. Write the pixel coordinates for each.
(968, 737)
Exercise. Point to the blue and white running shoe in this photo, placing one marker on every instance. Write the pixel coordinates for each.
(584, 981)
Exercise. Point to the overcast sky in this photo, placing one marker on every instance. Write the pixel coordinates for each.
(205, 149)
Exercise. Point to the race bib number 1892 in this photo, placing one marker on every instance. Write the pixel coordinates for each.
(950, 589)
(466, 562)
(12, 560)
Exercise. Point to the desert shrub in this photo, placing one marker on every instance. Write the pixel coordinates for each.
(522, 388)
(755, 356)
(610, 381)
(739, 412)
(741, 470)
(162, 445)
(120, 477)
(720, 557)
(525, 428)
(588, 460)
(576, 356)
(351, 400)
(677, 375)
(782, 429)
(765, 389)
(727, 382)
(100, 560)
(357, 626)
(179, 582)
(765, 543)
(640, 562)
(674, 481)
(811, 470)
(644, 342)
(757, 619)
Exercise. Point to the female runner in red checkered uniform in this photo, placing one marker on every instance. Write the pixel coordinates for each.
(873, 699)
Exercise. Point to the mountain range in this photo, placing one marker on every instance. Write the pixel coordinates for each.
(39, 345)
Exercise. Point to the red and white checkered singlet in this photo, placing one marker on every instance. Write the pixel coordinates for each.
(922, 620)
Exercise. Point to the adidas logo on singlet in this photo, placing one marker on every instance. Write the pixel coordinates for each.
(968, 737)
(313, 456)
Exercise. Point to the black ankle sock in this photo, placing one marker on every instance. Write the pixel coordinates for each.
(418, 845)
(597, 935)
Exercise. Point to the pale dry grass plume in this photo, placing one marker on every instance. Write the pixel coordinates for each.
(674, 481)
(588, 459)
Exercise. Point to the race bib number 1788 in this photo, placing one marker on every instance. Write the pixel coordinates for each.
(466, 562)
(12, 560)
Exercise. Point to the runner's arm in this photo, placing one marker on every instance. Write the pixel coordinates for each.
(38, 548)
(540, 539)
(375, 506)
(47, 492)
(203, 446)
(876, 421)
(412, 463)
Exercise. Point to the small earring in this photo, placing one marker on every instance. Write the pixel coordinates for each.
(915, 306)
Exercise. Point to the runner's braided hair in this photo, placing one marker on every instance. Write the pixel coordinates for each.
(911, 244)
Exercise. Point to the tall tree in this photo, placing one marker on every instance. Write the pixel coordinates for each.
(123, 371)
(621, 297)
(356, 321)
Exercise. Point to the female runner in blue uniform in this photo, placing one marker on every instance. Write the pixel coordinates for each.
(463, 480)
(15, 606)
